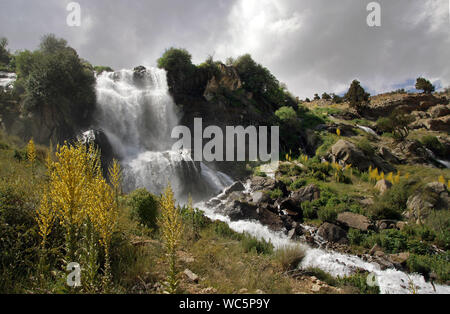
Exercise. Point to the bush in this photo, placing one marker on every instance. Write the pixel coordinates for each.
(355, 236)
(297, 184)
(252, 244)
(432, 143)
(365, 146)
(144, 207)
(309, 211)
(286, 115)
(275, 194)
(392, 203)
(424, 264)
(327, 214)
(290, 257)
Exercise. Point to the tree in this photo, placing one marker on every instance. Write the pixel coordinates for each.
(4, 53)
(425, 85)
(326, 96)
(57, 84)
(336, 99)
(316, 97)
(356, 95)
(261, 82)
(397, 124)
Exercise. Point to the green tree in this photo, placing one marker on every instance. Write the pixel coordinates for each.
(425, 85)
(356, 95)
(316, 97)
(144, 207)
(57, 83)
(4, 53)
(326, 96)
(261, 82)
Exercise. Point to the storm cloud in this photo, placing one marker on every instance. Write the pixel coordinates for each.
(311, 45)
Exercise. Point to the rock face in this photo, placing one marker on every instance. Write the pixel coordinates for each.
(434, 196)
(382, 186)
(99, 139)
(228, 79)
(332, 233)
(355, 221)
(439, 111)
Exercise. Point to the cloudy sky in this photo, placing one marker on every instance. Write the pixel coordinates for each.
(311, 45)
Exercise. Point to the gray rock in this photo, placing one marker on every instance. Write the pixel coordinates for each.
(355, 221)
(332, 233)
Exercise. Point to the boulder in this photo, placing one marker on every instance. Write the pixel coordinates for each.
(441, 124)
(191, 276)
(399, 260)
(270, 219)
(439, 111)
(387, 155)
(375, 248)
(347, 153)
(332, 233)
(296, 232)
(401, 225)
(308, 193)
(382, 186)
(355, 221)
(259, 197)
(236, 187)
(386, 224)
(434, 196)
(239, 210)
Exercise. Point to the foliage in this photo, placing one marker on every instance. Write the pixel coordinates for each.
(425, 264)
(290, 257)
(100, 69)
(366, 147)
(392, 203)
(356, 95)
(397, 124)
(326, 96)
(275, 194)
(432, 143)
(252, 244)
(4, 53)
(144, 207)
(261, 82)
(171, 229)
(286, 115)
(425, 85)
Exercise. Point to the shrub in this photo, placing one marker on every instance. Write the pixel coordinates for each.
(424, 264)
(327, 214)
(355, 236)
(359, 281)
(366, 147)
(326, 96)
(275, 194)
(290, 257)
(286, 115)
(223, 230)
(144, 207)
(309, 211)
(392, 203)
(252, 244)
(297, 184)
(432, 143)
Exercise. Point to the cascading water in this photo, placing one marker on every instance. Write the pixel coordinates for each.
(137, 114)
(390, 281)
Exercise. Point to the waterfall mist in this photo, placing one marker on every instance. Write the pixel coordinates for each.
(137, 114)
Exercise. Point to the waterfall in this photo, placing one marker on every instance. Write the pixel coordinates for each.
(137, 114)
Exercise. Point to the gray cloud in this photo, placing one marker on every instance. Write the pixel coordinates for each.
(312, 45)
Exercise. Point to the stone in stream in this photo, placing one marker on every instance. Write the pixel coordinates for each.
(332, 233)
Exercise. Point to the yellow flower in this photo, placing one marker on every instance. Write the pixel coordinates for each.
(31, 152)
(338, 132)
(441, 179)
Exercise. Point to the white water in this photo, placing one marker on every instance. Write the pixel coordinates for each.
(7, 79)
(137, 115)
(367, 130)
(390, 281)
(445, 163)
